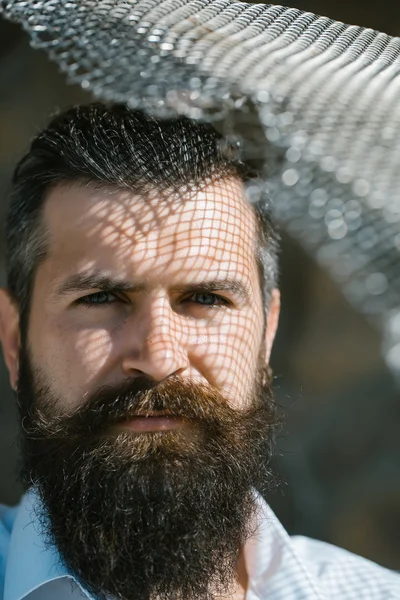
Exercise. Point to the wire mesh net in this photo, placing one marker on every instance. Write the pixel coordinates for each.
(310, 101)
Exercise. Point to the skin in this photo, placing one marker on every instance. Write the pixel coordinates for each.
(167, 322)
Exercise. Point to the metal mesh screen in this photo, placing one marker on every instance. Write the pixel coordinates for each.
(311, 101)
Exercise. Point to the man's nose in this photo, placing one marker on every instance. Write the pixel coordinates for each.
(156, 345)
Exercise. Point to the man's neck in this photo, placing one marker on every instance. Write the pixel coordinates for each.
(239, 592)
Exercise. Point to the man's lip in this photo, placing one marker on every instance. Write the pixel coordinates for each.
(151, 422)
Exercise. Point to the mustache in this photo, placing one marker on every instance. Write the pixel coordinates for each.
(139, 396)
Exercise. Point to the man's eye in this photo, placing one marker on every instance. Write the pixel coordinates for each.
(97, 299)
(208, 299)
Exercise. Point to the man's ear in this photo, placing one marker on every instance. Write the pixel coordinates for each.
(10, 334)
(272, 322)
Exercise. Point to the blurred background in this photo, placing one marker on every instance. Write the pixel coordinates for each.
(339, 453)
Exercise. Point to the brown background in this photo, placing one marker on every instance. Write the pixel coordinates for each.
(340, 452)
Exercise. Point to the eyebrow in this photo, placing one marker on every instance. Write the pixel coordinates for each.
(83, 283)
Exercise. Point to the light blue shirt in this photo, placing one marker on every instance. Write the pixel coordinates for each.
(26, 562)
(279, 567)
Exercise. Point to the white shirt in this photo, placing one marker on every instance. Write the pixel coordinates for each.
(279, 567)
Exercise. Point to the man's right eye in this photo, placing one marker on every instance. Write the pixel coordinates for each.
(97, 299)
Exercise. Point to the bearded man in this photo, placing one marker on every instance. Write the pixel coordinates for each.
(137, 327)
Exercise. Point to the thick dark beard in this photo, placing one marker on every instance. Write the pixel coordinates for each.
(155, 515)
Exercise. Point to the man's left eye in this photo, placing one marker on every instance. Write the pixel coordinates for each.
(208, 299)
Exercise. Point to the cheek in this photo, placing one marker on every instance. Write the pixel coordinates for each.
(229, 357)
(75, 360)
(91, 352)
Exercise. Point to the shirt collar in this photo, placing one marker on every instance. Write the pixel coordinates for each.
(275, 570)
(30, 562)
(269, 556)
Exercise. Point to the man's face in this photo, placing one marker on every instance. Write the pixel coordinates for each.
(147, 413)
(183, 295)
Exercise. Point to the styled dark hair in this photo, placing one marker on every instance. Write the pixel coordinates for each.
(124, 148)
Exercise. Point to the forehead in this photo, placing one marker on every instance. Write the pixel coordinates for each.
(210, 228)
